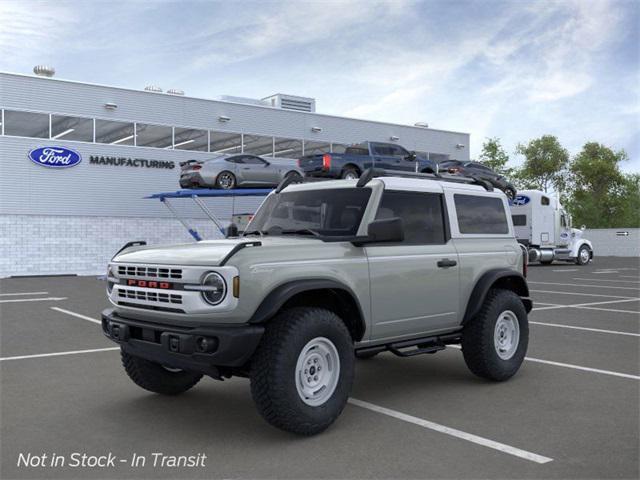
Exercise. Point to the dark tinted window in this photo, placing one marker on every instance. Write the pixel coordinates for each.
(336, 211)
(519, 220)
(544, 200)
(356, 151)
(478, 214)
(421, 213)
(235, 160)
(253, 160)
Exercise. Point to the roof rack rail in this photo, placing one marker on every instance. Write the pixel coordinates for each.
(371, 173)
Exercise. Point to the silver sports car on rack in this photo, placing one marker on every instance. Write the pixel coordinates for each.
(239, 170)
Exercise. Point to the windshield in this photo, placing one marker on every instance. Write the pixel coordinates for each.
(322, 212)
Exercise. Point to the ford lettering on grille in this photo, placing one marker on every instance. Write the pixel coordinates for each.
(149, 284)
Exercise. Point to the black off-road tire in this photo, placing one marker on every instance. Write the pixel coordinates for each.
(546, 262)
(478, 348)
(156, 378)
(273, 377)
(350, 172)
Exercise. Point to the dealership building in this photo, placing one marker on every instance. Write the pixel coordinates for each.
(128, 145)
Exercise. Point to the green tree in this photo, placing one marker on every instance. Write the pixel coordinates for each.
(545, 164)
(495, 157)
(601, 196)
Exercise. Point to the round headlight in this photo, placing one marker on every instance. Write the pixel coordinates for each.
(215, 288)
(110, 277)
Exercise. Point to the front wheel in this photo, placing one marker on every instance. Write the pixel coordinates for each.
(158, 378)
(494, 342)
(302, 372)
(584, 255)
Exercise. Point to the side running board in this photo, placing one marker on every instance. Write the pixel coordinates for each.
(415, 346)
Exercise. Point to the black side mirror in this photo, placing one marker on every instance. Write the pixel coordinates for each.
(232, 231)
(386, 230)
(411, 157)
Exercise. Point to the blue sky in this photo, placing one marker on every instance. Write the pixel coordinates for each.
(514, 70)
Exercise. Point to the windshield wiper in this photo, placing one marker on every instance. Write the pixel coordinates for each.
(301, 231)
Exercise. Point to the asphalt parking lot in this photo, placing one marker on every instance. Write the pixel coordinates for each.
(571, 412)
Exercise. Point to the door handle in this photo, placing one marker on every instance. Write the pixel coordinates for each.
(446, 263)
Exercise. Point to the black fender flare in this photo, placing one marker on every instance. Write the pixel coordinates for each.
(505, 278)
(274, 301)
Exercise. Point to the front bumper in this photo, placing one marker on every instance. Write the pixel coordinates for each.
(183, 347)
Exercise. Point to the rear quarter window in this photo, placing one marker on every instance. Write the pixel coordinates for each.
(480, 215)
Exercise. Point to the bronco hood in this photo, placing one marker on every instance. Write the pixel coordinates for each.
(201, 253)
(208, 252)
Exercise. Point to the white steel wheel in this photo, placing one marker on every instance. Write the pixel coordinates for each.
(317, 371)
(584, 255)
(351, 175)
(506, 335)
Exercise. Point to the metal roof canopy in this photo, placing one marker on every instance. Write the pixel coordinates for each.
(196, 195)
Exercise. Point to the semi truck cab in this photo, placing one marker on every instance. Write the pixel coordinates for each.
(545, 228)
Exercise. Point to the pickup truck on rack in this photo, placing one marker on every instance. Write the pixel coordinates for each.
(325, 273)
(357, 158)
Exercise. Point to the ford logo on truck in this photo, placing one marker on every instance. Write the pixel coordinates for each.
(55, 157)
(520, 200)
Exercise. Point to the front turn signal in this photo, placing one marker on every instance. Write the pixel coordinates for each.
(236, 287)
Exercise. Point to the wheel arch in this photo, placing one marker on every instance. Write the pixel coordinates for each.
(498, 278)
(353, 166)
(324, 293)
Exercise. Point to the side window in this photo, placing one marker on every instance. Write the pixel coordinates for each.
(398, 151)
(379, 149)
(519, 220)
(235, 160)
(251, 160)
(480, 215)
(544, 200)
(421, 213)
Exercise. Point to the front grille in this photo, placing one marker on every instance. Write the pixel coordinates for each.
(149, 272)
(127, 293)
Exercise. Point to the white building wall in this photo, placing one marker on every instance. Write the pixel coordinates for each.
(611, 242)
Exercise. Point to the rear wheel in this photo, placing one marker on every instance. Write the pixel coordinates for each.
(584, 255)
(302, 372)
(546, 262)
(495, 341)
(158, 378)
(226, 180)
(350, 173)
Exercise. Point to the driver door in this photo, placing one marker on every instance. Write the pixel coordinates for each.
(414, 284)
(255, 170)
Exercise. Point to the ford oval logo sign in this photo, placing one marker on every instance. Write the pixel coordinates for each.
(520, 200)
(55, 157)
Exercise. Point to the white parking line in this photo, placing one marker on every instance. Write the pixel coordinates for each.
(58, 354)
(582, 294)
(48, 299)
(633, 312)
(567, 270)
(605, 280)
(605, 272)
(74, 314)
(23, 293)
(587, 305)
(628, 276)
(572, 366)
(485, 442)
(587, 329)
(588, 286)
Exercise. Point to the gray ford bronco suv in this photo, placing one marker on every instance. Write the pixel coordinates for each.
(325, 273)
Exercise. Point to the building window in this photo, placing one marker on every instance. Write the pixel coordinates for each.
(481, 215)
(287, 148)
(258, 145)
(157, 136)
(421, 213)
(226, 143)
(191, 139)
(26, 124)
(71, 128)
(114, 133)
(313, 148)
